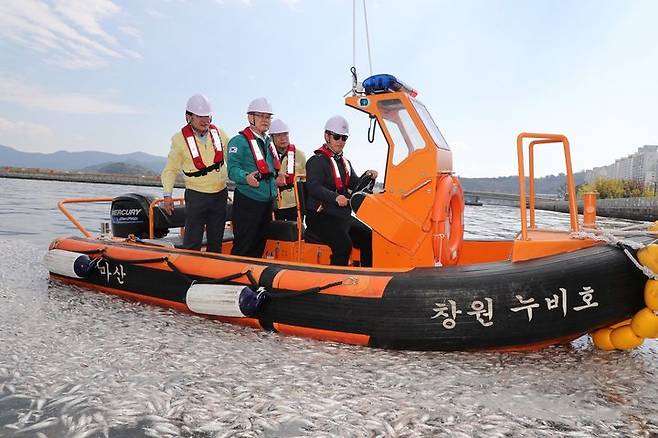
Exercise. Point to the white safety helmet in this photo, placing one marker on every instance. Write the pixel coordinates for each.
(338, 125)
(260, 105)
(199, 105)
(278, 126)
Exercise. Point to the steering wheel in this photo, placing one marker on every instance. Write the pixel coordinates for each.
(366, 183)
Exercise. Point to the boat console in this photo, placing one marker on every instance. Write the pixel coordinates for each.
(418, 219)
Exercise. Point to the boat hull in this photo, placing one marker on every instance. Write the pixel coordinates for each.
(488, 306)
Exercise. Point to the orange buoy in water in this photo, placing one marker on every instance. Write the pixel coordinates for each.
(651, 294)
(645, 323)
(648, 256)
(623, 338)
(601, 339)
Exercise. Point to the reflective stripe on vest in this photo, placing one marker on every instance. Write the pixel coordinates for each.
(340, 184)
(290, 165)
(193, 146)
(261, 163)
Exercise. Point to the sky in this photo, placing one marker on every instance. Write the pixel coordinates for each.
(114, 75)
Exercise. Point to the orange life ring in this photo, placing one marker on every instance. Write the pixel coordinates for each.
(448, 220)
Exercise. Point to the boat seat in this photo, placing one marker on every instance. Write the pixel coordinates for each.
(176, 240)
(310, 237)
(282, 230)
(301, 194)
(163, 221)
(307, 235)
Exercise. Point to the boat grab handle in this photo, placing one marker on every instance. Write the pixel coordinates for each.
(71, 218)
(416, 188)
(537, 139)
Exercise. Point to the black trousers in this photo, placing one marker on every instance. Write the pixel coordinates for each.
(250, 219)
(204, 211)
(286, 214)
(341, 234)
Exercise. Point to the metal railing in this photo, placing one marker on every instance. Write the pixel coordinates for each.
(86, 232)
(71, 218)
(152, 206)
(571, 189)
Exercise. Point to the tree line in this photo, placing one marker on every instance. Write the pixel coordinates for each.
(617, 188)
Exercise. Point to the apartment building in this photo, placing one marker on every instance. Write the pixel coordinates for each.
(641, 166)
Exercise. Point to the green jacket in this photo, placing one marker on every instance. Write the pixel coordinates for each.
(241, 163)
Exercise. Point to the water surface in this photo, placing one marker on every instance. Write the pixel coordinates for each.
(77, 363)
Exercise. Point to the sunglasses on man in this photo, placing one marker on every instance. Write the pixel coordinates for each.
(338, 136)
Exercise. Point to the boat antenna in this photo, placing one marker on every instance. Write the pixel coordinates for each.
(356, 86)
(353, 35)
(365, 19)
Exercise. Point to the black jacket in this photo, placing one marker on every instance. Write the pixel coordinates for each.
(321, 187)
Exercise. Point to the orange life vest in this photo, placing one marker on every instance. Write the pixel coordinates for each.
(338, 181)
(290, 164)
(261, 163)
(193, 148)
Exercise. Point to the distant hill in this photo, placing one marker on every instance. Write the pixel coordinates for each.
(139, 163)
(63, 160)
(510, 184)
(119, 168)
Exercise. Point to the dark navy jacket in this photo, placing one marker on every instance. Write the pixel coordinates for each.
(321, 187)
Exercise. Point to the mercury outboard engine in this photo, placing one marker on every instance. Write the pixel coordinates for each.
(129, 214)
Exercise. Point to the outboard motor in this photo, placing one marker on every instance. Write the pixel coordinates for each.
(129, 215)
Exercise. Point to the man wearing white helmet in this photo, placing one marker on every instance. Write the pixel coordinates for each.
(253, 165)
(198, 151)
(330, 180)
(293, 163)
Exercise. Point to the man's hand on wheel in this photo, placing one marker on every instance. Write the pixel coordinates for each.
(341, 201)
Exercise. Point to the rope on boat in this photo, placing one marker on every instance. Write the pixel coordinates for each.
(609, 237)
(634, 227)
(178, 272)
(274, 293)
(631, 333)
(277, 293)
(645, 269)
(92, 251)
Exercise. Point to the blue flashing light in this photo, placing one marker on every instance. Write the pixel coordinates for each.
(384, 83)
(379, 84)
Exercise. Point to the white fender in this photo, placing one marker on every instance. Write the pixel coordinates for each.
(67, 263)
(215, 299)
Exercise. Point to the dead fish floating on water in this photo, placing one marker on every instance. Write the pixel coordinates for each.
(43, 424)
